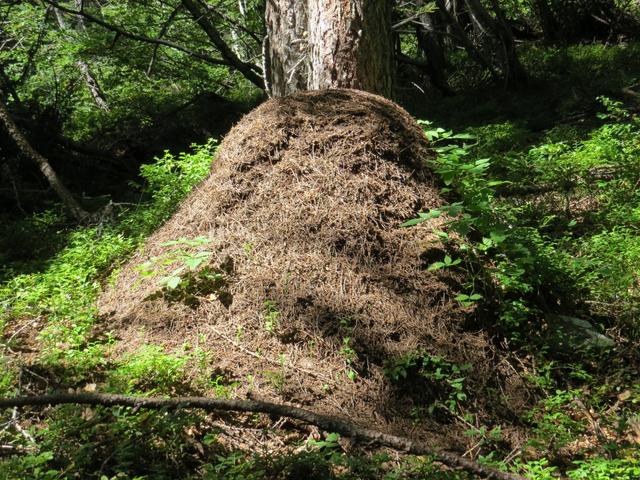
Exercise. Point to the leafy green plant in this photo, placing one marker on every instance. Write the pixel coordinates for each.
(448, 376)
(167, 181)
(186, 260)
(447, 262)
(329, 444)
(187, 280)
(62, 292)
(468, 300)
(148, 370)
(484, 438)
(349, 355)
(536, 469)
(606, 469)
(271, 316)
(554, 424)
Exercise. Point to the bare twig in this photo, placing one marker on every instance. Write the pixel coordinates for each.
(13, 449)
(270, 360)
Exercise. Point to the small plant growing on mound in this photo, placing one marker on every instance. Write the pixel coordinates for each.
(149, 370)
(271, 316)
(188, 281)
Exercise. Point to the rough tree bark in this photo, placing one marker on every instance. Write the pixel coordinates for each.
(286, 57)
(318, 44)
(43, 164)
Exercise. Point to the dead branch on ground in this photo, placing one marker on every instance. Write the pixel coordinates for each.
(325, 422)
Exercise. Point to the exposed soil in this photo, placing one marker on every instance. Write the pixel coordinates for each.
(315, 278)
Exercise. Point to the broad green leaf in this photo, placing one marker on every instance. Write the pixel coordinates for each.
(172, 282)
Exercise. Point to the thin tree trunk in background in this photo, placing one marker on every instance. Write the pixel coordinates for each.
(239, 47)
(431, 45)
(318, 44)
(516, 74)
(92, 84)
(458, 32)
(49, 173)
(497, 28)
(80, 7)
(548, 22)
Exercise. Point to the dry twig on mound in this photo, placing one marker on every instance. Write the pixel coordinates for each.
(325, 422)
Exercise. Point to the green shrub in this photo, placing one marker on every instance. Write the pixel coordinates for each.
(149, 370)
(62, 291)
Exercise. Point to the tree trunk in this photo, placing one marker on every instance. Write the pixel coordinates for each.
(318, 44)
(548, 22)
(92, 84)
(351, 45)
(52, 177)
(515, 73)
(94, 87)
(458, 32)
(497, 28)
(325, 422)
(430, 42)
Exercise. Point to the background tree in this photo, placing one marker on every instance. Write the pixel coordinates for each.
(104, 78)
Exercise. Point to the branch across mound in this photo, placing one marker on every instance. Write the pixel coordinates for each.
(316, 279)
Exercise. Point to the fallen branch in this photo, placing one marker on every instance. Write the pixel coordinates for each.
(325, 422)
(14, 449)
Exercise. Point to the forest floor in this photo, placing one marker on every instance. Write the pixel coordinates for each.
(544, 186)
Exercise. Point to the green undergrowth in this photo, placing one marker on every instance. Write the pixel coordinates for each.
(53, 300)
(563, 85)
(49, 307)
(545, 227)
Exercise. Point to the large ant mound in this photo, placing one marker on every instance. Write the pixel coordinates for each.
(295, 273)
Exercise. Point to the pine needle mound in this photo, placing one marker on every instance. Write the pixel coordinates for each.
(318, 287)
